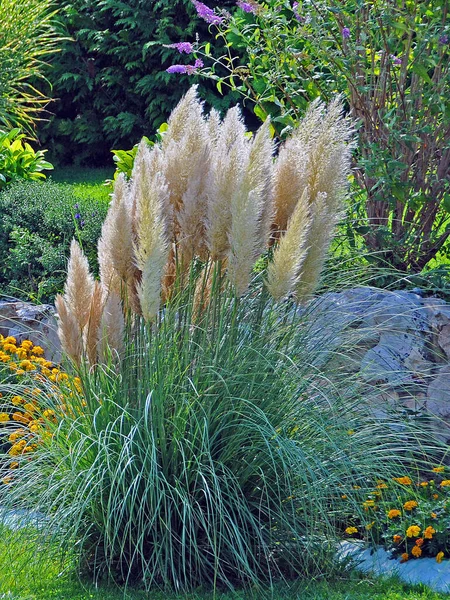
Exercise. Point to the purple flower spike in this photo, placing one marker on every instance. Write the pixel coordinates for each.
(199, 63)
(443, 40)
(246, 6)
(77, 216)
(206, 13)
(177, 69)
(396, 60)
(345, 33)
(299, 18)
(185, 47)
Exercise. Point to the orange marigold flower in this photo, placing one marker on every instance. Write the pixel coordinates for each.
(404, 557)
(13, 465)
(10, 340)
(428, 533)
(435, 496)
(419, 542)
(424, 483)
(403, 480)
(440, 469)
(413, 531)
(397, 539)
(344, 497)
(20, 417)
(416, 551)
(433, 515)
(445, 483)
(439, 556)
(6, 480)
(382, 486)
(394, 512)
(11, 348)
(410, 505)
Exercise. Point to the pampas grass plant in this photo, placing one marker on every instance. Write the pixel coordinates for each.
(208, 443)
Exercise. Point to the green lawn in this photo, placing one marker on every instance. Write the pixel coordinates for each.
(86, 182)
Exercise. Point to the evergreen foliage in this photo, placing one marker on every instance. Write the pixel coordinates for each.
(109, 80)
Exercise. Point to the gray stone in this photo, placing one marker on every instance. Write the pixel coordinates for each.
(424, 571)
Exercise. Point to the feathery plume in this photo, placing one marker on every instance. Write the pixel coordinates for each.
(214, 123)
(68, 331)
(284, 270)
(228, 159)
(91, 331)
(151, 248)
(112, 329)
(79, 285)
(247, 208)
(115, 246)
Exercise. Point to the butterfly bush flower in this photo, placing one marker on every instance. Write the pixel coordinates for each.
(185, 47)
(299, 18)
(443, 40)
(186, 69)
(396, 60)
(247, 6)
(206, 13)
(345, 33)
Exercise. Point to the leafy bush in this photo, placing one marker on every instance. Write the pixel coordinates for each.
(37, 222)
(18, 160)
(391, 60)
(110, 77)
(28, 35)
(410, 516)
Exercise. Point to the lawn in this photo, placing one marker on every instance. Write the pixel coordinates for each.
(86, 182)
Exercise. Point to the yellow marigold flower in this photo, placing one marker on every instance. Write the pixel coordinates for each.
(438, 469)
(370, 525)
(15, 435)
(445, 483)
(62, 377)
(4, 357)
(13, 367)
(17, 448)
(13, 465)
(4, 417)
(21, 353)
(46, 372)
(20, 372)
(403, 480)
(38, 351)
(11, 348)
(428, 533)
(394, 512)
(382, 486)
(47, 364)
(10, 340)
(433, 515)
(16, 400)
(439, 556)
(419, 542)
(397, 539)
(356, 487)
(424, 483)
(416, 551)
(6, 480)
(49, 413)
(36, 392)
(77, 383)
(29, 407)
(413, 531)
(435, 496)
(351, 530)
(404, 557)
(27, 365)
(410, 505)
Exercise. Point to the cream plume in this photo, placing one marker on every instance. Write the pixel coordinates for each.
(68, 331)
(285, 268)
(228, 159)
(79, 285)
(91, 331)
(112, 330)
(151, 248)
(115, 247)
(247, 208)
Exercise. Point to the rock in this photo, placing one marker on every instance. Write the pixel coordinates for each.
(424, 571)
(37, 323)
(444, 340)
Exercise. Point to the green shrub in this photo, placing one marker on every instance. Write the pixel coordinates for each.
(110, 77)
(37, 223)
(18, 160)
(391, 61)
